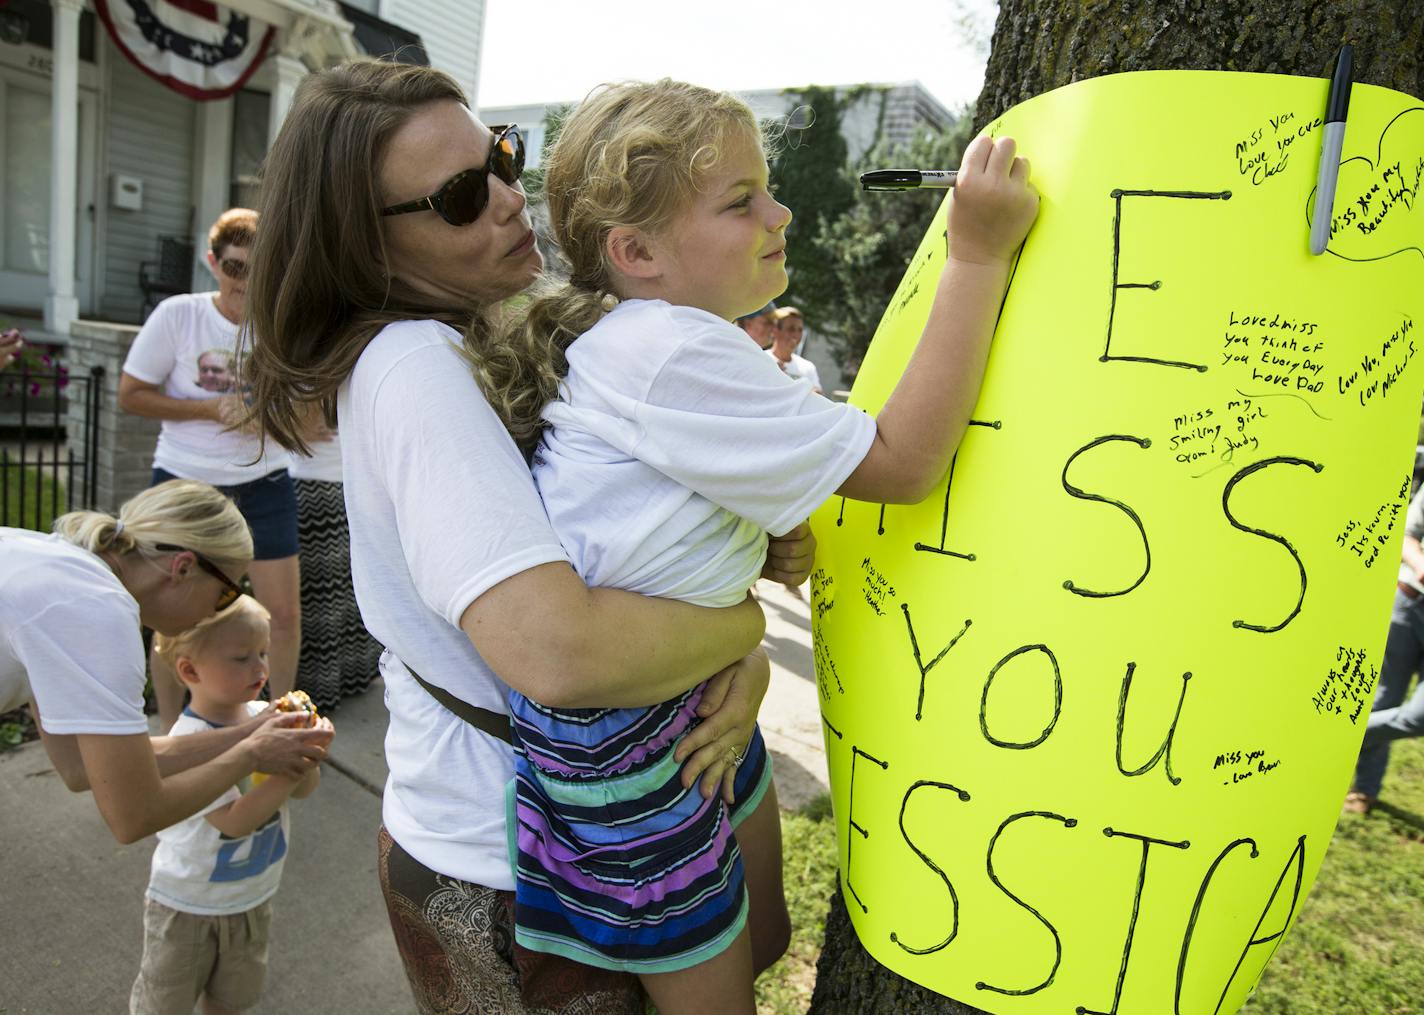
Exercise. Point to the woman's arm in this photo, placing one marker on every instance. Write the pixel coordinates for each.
(63, 754)
(276, 745)
(135, 800)
(279, 745)
(148, 400)
(561, 643)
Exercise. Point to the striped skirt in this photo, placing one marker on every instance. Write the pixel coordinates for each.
(339, 657)
(616, 865)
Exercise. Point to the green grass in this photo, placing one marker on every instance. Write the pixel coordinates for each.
(33, 483)
(1357, 946)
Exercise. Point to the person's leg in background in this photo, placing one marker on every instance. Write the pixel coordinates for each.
(1403, 652)
(276, 584)
(270, 506)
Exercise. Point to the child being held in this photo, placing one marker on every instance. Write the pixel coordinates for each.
(673, 447)
(207, 909)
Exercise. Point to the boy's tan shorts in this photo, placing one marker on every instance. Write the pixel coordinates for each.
(186, 955)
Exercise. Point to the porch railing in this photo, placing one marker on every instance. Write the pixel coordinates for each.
(49, 433)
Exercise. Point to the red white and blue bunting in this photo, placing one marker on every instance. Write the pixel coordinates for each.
(195, 47)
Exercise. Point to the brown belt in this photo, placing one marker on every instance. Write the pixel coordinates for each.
(1410, 592)
(495, 724)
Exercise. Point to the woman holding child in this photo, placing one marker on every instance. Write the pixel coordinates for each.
(456, 569)
(394, 223)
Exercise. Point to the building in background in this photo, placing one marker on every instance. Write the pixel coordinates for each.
(92, 112)
(878, 111)
(894, 112)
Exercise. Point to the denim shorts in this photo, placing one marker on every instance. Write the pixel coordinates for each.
(270, 506)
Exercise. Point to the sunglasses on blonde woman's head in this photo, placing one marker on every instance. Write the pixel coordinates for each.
(231, 589)
(466, 194)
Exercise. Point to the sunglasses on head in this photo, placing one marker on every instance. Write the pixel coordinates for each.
(465, 194)
(233, 268)
(231, 590)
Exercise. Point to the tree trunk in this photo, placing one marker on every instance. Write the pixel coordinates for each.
(849, 981)
(1040, 45)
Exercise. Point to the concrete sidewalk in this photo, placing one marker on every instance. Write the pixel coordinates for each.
(71, 898)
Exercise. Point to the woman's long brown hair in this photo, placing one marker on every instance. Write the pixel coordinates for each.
(319, 288)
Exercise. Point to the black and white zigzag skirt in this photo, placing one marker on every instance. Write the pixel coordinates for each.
(339, 658)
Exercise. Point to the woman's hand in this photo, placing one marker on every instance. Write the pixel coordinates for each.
(729, 706)
(789, 558)
(282, 744)
(233, 413)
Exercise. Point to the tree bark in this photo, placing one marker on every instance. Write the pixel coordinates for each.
(1039, 45)
(849, 981)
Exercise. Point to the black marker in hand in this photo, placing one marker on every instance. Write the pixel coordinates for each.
(908, 179)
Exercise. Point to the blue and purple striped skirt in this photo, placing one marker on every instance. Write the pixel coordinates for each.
(616, 865)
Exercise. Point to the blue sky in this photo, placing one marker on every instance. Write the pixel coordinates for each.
(556, 50)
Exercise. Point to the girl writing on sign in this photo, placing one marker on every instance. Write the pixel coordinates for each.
(673, 446)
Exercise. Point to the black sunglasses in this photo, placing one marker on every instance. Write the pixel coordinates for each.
(465, 194)
(233, 589)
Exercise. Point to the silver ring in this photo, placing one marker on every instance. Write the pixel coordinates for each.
(737, 756)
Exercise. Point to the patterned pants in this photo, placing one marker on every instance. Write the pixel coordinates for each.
(339, 658)
(456, 940)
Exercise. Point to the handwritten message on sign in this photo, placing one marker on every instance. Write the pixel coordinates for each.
(1092, 707)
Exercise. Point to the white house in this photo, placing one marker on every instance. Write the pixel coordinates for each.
(100, 158)
(126, 127)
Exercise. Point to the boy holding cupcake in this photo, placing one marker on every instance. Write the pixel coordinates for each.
(208, 906)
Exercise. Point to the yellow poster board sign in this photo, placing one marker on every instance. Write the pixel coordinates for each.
(1091, 708)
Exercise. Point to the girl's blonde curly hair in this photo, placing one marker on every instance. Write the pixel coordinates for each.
(632, 154)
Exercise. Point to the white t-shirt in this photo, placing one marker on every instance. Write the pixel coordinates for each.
(677, 445)
(198, 869)
(441, 507)
(70, 637)
(323, 464)
(190, 349)
(798, 368)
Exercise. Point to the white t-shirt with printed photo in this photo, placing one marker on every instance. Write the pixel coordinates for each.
(677, 445)
(190, 349)
(441, 507)
(70, 637)
(198, 869)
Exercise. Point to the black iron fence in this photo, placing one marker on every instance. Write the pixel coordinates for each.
(49, 433)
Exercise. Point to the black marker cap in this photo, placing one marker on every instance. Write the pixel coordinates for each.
(1339, 103)
(890, 179)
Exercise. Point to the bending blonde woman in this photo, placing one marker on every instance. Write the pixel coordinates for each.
(71, 607)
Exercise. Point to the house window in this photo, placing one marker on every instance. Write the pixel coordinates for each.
(32, 22)
(249, 145)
